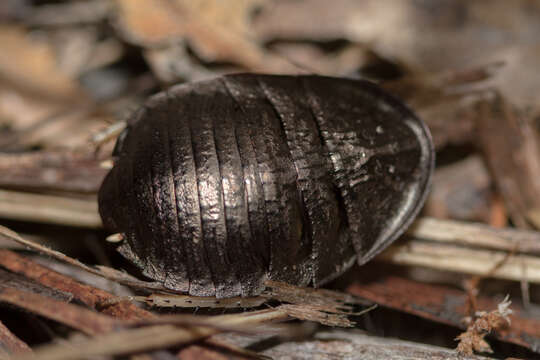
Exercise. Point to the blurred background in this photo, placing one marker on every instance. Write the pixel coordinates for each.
(469, 68)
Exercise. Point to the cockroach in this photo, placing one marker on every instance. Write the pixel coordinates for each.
(221, 184)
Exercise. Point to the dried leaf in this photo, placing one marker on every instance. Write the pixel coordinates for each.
(173, 63)
(426, 36)
(519, 79)
(37, 121)
(331, 301)
(502, 128)
(70, 13)
(31, 64)
(217, 30)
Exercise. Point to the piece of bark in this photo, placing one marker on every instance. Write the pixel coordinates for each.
(511, 147)
(447, 305)
(91, 296)
(11, 343)
(352, 344)
(77, 317)
(19, 282)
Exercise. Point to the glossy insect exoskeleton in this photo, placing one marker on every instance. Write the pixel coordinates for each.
(221, 184)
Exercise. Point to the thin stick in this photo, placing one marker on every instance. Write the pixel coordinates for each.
(147, 338)
(464, 260)
(49, 209)
(475, 234)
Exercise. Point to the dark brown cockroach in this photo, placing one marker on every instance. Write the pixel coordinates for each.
(221, 184)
